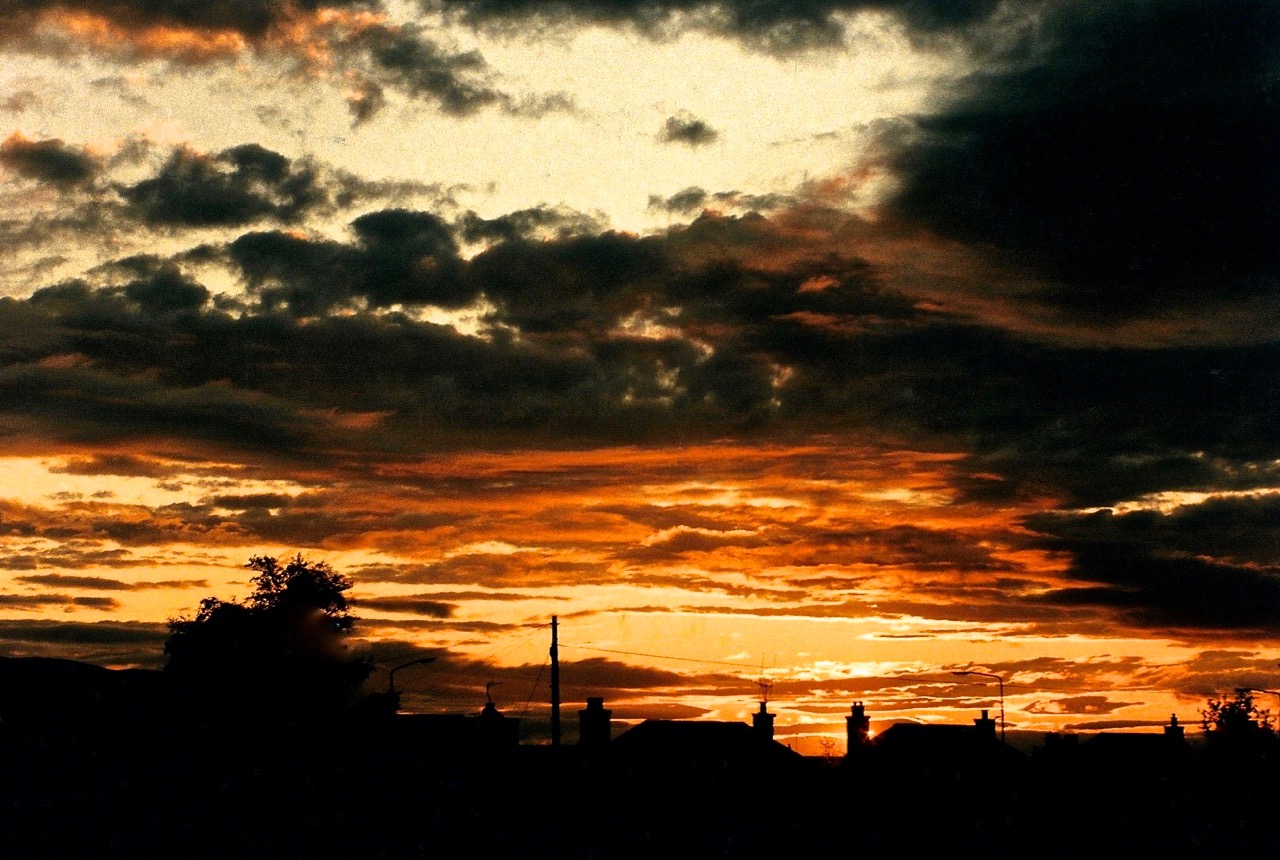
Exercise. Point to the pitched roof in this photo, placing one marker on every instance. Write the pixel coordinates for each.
(700, 741)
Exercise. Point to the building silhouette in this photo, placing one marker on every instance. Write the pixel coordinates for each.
(95, 762)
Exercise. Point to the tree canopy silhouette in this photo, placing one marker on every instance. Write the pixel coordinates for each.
(1238, 719)
(278, 654)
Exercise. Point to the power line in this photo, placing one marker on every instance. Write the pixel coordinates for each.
(658, 656)
(533, 689)
(478, 665)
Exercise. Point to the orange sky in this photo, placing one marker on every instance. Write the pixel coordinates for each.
(837, 571)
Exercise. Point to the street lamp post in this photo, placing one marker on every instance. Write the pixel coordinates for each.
(1000, 680)
(391, 676)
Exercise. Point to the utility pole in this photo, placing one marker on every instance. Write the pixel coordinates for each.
(555, 683)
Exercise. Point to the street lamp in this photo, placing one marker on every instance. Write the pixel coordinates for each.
(391, 676)
(998, 678)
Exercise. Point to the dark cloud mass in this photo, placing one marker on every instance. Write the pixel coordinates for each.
(237, 186)
(776, 27)
(459, 82)
(406, 57)
(619, 336)
(1124, 150)
(410, 604)
(693, 200)
(251, 18)
(50, 160)
(400, 256)
(105, 642)
(535, 222)
(1205, 565)
(687, 130)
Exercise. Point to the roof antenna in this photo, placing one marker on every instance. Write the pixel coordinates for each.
(762, 720)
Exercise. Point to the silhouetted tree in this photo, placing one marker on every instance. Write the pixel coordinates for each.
(1238, 718)
(279, 654)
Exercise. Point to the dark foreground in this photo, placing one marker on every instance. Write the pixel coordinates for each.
(125, 781)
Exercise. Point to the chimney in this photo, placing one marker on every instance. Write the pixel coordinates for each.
(496, 729)
(858, 728)
(986, 726)
(594, 728)
(762, 722)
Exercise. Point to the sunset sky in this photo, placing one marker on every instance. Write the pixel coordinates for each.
(841, 343)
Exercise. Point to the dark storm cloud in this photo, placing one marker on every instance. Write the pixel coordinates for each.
(252, 501)
(46, 601)
(682, 543)
(777, 27)
(906, 546)
(583, 281)
(100, 583)
(81, 526)
(581, 677)
(458, 82)
(1124, 151)
(526, 569)
(687, 130)
(1096, 425)
(421, 67)
(103, 642)
(400, 256)
(69, 554)
(80, 633)
(117, 464)
(799, 546)
(190, 190)
(237, 186)
(161, 287)
(1077, 705)
(1212, 672)
(692, 582)
(422, 604)
(50, 160)
(404, 57)
(373, 574)
(250, 18)
(92, 392)
(554, 222)
(620, 336)
(1242, 529)
(692, 200)
(1210, 565)
(1154, 590)
(689, 200)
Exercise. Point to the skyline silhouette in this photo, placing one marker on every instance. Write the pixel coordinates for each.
(115, 763)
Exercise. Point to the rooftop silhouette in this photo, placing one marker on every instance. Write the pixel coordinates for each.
(112, 763)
